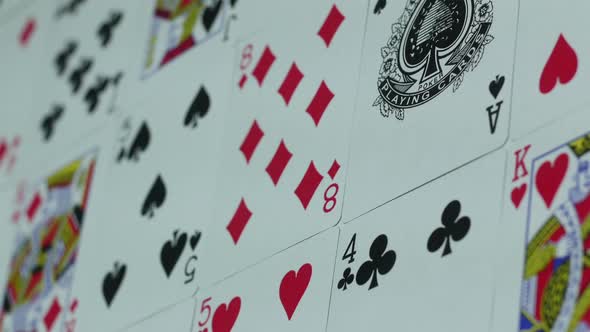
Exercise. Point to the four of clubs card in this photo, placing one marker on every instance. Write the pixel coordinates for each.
(429, 253)
(434, 93)
(287, 135)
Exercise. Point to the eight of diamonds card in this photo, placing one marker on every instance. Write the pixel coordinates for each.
(434, 93)
(422, 262)
(287, 135)
(548, 209)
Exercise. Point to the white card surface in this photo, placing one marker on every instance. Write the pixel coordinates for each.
(550, 70)
(284, 154)
(427, 253)
(455, 98)
(175, 318)
(288, 292)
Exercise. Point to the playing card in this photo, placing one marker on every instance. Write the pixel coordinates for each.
(22, 36)
(550, 73)
(177, 317)
(156, 202)
(48, 221)
(288, 292)
(173, 34)
(284, 153)
(423, 261)
(434, 93)
(544, 283)
(83, 71)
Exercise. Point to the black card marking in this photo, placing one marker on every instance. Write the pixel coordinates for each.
(198, 109)
(171, 251)
(63, 57)
(381, 262)
(112, 282)
(454, 228)
(107, 28)
(155, 198)
(139, 144)
(50, 120)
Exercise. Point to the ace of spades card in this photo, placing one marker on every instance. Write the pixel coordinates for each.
(284, 153)
(287, 292)
(83, 70)
(424, 261)
(23, 37)
(434, 93)
(551, 76)
(157, 201)
(546, 224)
(48, 221)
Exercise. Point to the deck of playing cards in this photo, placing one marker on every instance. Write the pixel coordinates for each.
(260, 165)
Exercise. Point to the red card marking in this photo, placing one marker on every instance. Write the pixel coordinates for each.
(263, 66)
(319, 103)
(561, 66)
(331, 25)
(3, 150)
(251, 141)
(291, 82)
(52, 314)
(225, 316)
(517, 194)
(550, 176)
(334, 169)
(243, 81)
(27, 31)
(239, 221)
(308, 185)
(34, 206)
(293, 287)
(74, 305)
(279, 162)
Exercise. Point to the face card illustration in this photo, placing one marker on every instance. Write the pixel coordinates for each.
(550, 70)
(426, 252)
(37, 293)
(286, 143)
(84, 70)
(168, 162)
(547, 209)
(441, 67)
(288, 292)
(178, 26)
